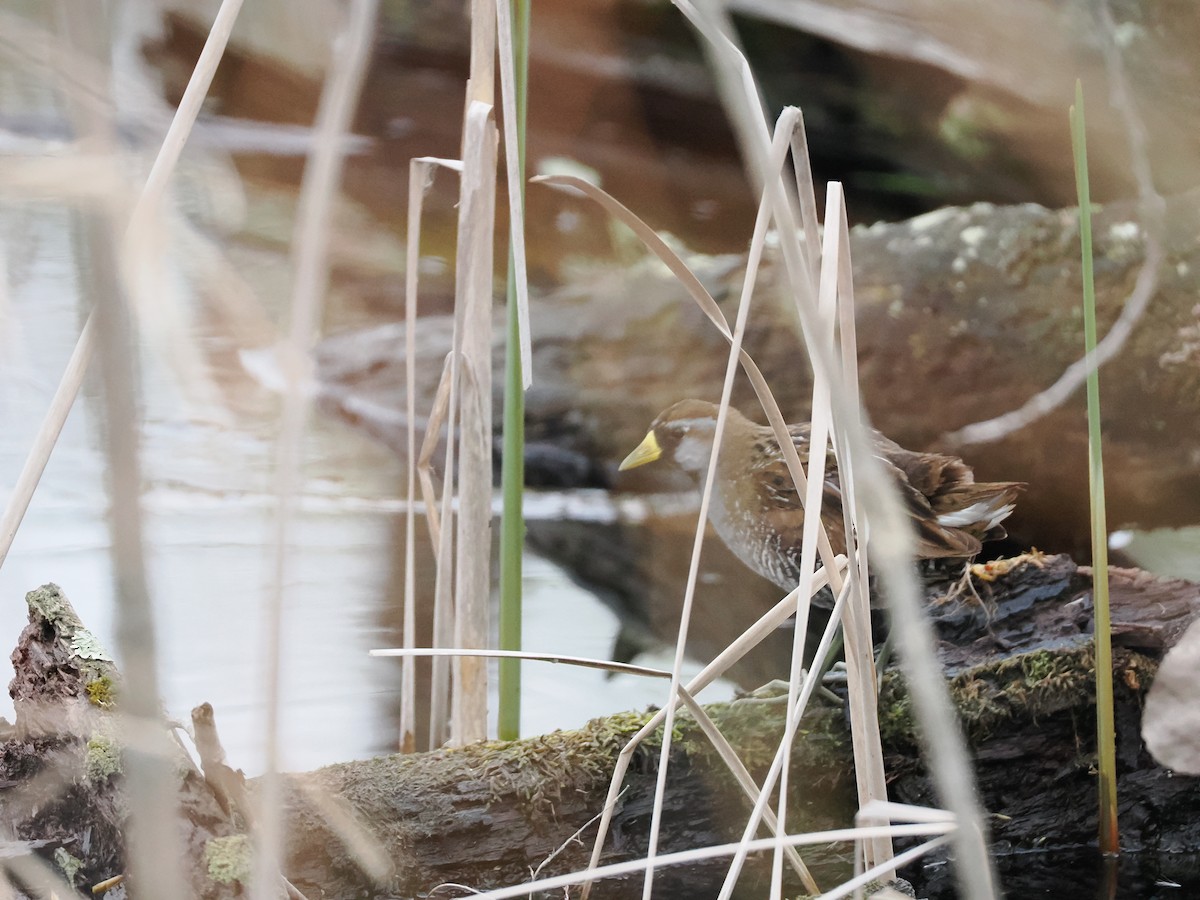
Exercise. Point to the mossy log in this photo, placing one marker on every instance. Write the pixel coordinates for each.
(1020, 671)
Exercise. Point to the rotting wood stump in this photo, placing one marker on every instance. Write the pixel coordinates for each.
(1020, 671)
(61, 764)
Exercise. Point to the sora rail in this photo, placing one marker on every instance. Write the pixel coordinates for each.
(758, 514)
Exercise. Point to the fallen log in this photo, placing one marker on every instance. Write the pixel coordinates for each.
(1020, 672)
(961, 315)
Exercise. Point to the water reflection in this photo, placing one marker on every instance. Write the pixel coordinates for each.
(209, 513)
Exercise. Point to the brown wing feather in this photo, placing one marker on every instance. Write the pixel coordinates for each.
(783, 508)
(948, 490)
(931, 486)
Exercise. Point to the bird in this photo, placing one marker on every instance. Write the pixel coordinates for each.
(757, 512)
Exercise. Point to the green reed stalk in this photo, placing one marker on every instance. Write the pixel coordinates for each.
(512, 477)
(1105, 728)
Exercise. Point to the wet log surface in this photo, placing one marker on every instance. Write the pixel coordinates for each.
(1020, 670)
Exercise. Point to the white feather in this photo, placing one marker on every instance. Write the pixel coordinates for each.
(983, 511)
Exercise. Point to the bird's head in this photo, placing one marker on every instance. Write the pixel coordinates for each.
(682, 434)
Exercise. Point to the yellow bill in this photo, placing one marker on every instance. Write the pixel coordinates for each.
(645, 452)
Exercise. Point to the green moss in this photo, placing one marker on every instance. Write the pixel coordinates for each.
(229, 859)
(101, 692)
(103, 757)
(67, 864)
(897, 726)
(1020, 688)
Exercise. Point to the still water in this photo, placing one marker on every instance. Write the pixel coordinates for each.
(209, 515)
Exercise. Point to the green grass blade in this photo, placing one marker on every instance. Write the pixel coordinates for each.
(512, 478)
(1105, 728)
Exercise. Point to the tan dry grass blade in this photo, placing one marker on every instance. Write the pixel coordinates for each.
(894, 540)
(368, 853)
(784, 131)
(318, 189)
(837, 301)
(802, 167)
(683, 857)
(585, 662)
(473, 303)
(47, 437)
(709, 307)
(155, 854)
(420, 179)
(516, 206)
(862, 680)
(778, 151)
(743, 644)
(814, 497)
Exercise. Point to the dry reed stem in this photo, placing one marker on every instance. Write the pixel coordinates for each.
(450, 623)
(778, 150)
(796, 712)
(481, 84)
(47, 437)
(420, 180)
(743, 644)
(310, 280)
(862, 679)
(154, 852)
(818, 449)
(368, 852)
(894, 542)
(700, 854)
(516, 205)
(746, 782)
(473, 296)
